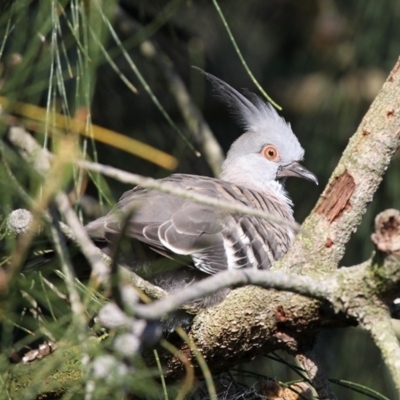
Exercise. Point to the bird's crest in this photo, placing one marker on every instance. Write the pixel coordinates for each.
(259, 118)
(251, 111)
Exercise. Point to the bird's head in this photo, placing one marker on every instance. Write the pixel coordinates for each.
(268, 151)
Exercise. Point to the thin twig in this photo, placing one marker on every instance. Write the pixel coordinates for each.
(99, 269)
(149, 183)
(266, 279)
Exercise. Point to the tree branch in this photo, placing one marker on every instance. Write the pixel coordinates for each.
(100, 270)
(266, 279)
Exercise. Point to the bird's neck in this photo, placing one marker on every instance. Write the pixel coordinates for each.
(270, 188)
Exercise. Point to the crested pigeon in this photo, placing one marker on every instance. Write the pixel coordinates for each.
(199, 239)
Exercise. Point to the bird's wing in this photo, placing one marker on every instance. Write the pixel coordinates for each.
(216, 240)
(171, 224)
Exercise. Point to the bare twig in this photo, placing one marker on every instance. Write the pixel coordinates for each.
(281, 319)
(150, 290)
(100, 270)
(149, 183)
(266, 279)
(35, 155)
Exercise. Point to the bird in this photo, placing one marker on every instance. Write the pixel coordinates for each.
(174, 242)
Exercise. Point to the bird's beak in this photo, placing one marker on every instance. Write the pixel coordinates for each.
(296, 169)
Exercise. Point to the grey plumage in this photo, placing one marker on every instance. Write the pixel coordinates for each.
(201, 239)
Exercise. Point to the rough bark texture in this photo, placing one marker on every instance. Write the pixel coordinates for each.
(252, 320)
(231, 332)
(337, 198)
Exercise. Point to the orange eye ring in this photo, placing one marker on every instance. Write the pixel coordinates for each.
(271, 153)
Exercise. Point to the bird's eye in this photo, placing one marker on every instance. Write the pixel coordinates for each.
(270, 153)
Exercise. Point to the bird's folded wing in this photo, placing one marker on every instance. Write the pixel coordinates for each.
(216, 240)
(173, 224)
